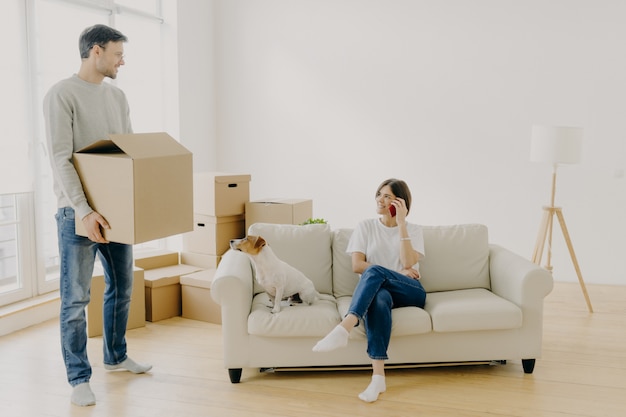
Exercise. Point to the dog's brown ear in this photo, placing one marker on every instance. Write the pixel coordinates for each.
(260, 242)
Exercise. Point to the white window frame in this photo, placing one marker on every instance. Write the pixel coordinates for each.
(24, 223)
(33, 277)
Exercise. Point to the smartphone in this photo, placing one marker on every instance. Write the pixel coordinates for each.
(392, 210)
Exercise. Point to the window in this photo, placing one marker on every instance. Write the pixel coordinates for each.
(55, 46)
(15, 256)
(8, 244)
(15, 171)
(14, 142)
(44, 54)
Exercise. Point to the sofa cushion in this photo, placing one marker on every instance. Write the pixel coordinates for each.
(457, 257)
(344, 279)
(405, 321)
(307, 248)
(314, 320)
(471, 310)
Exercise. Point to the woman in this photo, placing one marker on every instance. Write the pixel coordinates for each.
(386, 252)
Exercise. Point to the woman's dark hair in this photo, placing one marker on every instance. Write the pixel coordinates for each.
(399, 189)
(98, 35)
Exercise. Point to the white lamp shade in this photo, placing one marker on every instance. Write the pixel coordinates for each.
(556, 144)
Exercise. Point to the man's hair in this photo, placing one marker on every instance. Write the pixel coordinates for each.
(399, 189)
(98, 35)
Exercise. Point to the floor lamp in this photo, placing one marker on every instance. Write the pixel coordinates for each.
(556, 145)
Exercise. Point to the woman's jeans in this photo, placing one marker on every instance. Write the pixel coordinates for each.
(77, 257)
(378, 291)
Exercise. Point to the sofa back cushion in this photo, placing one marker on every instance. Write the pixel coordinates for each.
(344, 280)
(307, 248)
(457, 257)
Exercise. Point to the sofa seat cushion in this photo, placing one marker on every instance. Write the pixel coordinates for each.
(299, 320)
(405, 321)
(471, 310)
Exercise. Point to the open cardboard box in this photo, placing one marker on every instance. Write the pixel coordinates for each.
(141, 183)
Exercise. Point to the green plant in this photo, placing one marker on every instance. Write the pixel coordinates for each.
(313, 221)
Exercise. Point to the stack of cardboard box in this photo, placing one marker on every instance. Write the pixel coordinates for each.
(219, 201)
(162, 277)
(219, 204)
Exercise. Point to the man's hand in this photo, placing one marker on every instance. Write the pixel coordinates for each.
(93, 221)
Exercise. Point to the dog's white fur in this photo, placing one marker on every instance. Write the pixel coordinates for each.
(279, 279)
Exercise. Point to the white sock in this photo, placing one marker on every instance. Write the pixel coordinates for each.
(129, 365)
(377, 386)
(82, 395)
(338, 337)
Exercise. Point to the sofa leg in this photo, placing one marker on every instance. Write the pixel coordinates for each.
(235, 375)
(528, 365)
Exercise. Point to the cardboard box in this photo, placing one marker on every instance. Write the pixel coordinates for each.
(220, 194)
(137, 313)
(201, 260)
(281, 211)
(163, 294)
(152, 259)
(141, 183)
(196, 296)
(211, 235)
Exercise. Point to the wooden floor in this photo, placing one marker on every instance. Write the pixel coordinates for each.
(582, 373)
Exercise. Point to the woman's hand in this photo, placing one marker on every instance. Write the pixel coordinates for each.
(411, 273)
(401, 209)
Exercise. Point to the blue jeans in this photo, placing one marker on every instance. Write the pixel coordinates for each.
(77, 256)
(379, 290)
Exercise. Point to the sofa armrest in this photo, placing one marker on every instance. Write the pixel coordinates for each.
(234, 275)
(518, 279)
(232, 289)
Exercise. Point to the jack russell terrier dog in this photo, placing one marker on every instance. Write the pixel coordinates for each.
(278, 278)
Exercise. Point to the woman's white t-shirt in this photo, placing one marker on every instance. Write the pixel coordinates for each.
(381, 244)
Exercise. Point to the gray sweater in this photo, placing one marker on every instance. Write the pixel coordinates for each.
(78, 113)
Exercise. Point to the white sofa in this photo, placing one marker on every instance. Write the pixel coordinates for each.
(484, 303)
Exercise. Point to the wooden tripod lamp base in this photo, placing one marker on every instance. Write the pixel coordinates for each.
(545, 230)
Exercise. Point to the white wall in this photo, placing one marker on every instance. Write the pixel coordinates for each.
(196, 81)
(324, 99)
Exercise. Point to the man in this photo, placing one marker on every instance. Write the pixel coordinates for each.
(79, 111)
